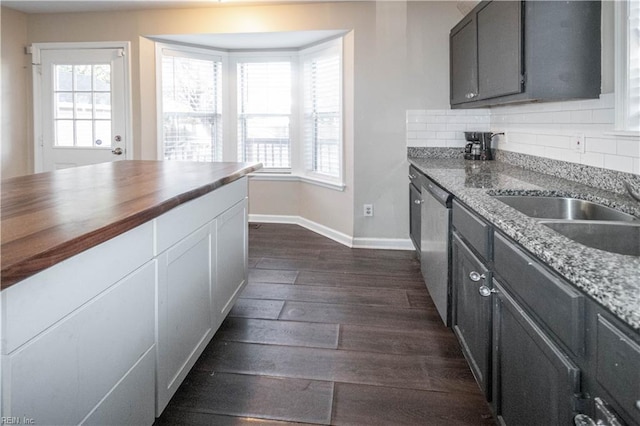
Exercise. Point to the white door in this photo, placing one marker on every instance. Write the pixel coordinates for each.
(82, 107)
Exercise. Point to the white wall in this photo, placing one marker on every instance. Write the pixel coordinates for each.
(16, 95)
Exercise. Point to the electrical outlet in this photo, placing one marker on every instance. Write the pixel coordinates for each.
(368, 209)
(578, 143)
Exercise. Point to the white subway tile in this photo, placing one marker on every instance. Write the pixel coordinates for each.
(439, 127)
(435, 143)
(604, 116)
(555, 141)
(456, 127)
(445, 135)
(628, 148)
(601, 145)
(413, 127)
(562, 154)
(562, 117)
(582, 116)
(617, 162)
(426, 135)
(455, 143)
(521, 137)
(592, 159)
(412, 135)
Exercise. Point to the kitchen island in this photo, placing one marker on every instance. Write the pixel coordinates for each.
(114, 278)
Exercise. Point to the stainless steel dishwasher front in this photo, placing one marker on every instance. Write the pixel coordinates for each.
(435, 246)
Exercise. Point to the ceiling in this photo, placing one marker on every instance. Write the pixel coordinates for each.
(69, 6)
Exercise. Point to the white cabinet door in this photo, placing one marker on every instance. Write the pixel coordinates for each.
(63, 375)
(184, 310)
(231, 259)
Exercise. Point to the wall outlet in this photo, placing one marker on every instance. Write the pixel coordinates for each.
(578, 143)
(368, 209)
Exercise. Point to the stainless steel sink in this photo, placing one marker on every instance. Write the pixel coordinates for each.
(616, 237)
(563, 208)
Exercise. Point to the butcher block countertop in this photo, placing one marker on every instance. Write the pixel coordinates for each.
(49, 217)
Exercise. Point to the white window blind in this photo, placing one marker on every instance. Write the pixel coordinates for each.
(634, 66)
(264, 112)
(191, 106)
(627, 52)
(322, 103)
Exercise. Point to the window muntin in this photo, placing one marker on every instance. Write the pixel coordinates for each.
(191, 106)
(264, 96)
(82, 105)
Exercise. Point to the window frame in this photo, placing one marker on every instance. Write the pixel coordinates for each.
(231, 144)
(319, 50)
(185, 52)
(298, 171)
(622, 90)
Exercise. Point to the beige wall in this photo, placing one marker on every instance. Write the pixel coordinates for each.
(16, 146)
(400, 62)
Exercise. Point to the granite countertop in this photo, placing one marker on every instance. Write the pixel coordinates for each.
(49, 217)
(611, 279)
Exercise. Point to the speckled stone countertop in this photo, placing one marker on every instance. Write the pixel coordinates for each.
(611, 279)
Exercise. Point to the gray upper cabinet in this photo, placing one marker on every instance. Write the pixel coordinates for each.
(513, 51)
(464, 72)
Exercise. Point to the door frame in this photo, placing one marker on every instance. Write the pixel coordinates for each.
(36, 70)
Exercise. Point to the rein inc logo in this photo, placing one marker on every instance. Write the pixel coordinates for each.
(17, 421)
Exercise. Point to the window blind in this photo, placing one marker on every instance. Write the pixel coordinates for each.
(191, 106)
(322, 104)
(264, 113)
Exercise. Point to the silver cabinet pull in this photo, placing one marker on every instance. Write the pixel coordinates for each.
(117, 151)
(418, 201)
(412, 176)
(486, 291)
(476, 276)
(470, 95)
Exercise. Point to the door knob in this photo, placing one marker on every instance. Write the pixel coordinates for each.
(486, 291)
(475, 276)
(117, 151)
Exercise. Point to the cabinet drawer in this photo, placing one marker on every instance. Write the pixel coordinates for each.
(618, 367)
(33, 305)
(181, 221)
(555, 303)
(473, 229)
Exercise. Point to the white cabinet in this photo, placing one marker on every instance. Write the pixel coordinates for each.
(184, 310)
(202, 269)
(93, 360)
(231, 259)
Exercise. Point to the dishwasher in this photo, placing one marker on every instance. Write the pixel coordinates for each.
(435, 246)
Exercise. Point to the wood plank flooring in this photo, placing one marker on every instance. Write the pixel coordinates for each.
(324, 334)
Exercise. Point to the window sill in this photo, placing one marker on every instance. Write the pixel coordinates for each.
(288, 177)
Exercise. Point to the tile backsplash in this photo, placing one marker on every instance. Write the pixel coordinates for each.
(444, 128)
(540, 129)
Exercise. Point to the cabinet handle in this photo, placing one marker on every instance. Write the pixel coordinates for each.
(475, 276)
(583, 420)
(486, 291)
(412, 176)
(638, 404)
(418, 201)
(470, 95)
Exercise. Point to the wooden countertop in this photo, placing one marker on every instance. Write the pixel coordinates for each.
(49, 217)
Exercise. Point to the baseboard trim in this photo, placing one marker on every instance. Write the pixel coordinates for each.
(342, 238)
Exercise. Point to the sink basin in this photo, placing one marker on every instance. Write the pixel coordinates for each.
(563, 208)
(615, 237)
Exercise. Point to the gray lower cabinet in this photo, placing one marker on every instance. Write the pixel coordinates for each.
(471, 313)
(535, 382)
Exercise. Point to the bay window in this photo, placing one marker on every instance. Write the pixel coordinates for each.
(283, 109)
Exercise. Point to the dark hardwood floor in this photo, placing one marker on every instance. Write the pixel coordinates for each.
(325, 334)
